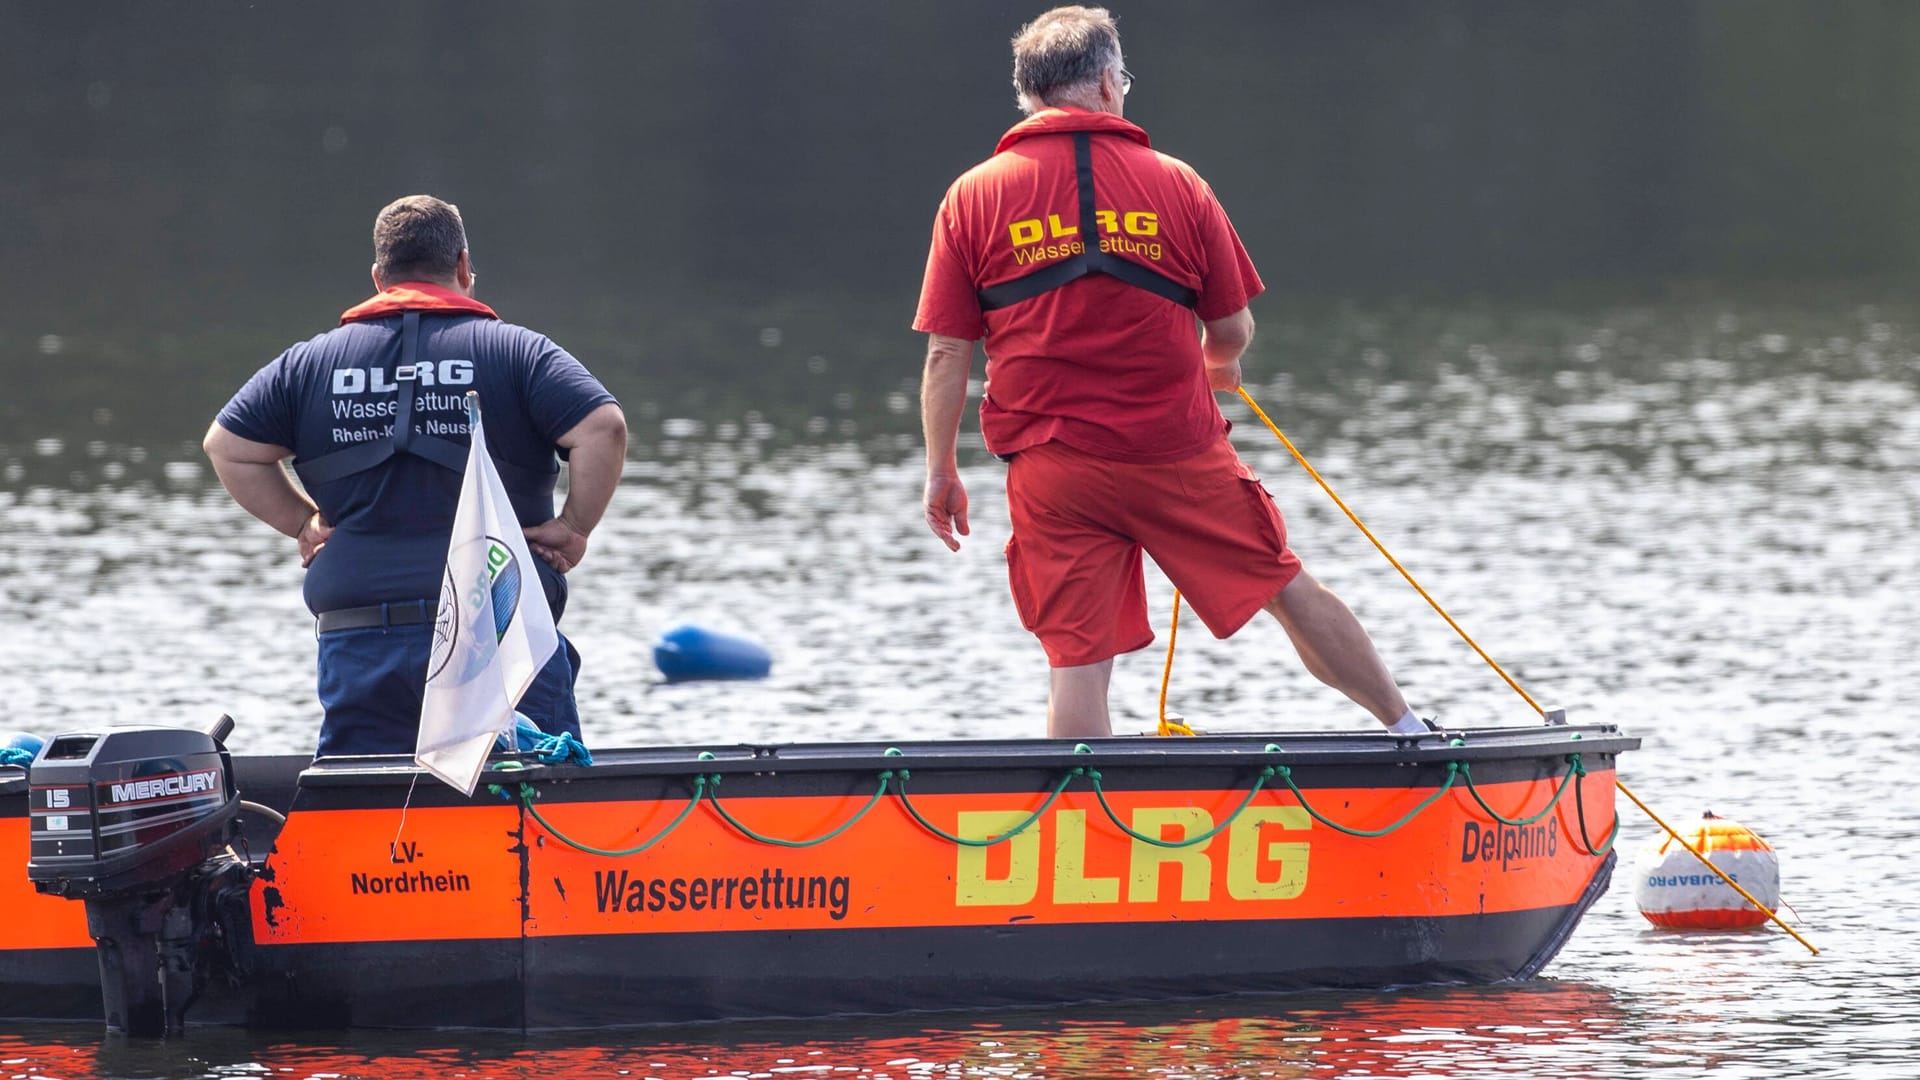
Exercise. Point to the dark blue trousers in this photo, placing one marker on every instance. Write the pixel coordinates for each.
(372, 681)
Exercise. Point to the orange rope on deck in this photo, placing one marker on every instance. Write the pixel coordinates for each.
(1171, 727)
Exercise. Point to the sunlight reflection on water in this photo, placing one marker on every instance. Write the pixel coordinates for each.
(1712, 550)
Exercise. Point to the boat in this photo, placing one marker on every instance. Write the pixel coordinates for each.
(169, 881)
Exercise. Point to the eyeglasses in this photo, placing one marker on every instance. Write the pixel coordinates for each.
(1126, 82)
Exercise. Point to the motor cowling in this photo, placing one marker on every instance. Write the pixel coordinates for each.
(137, 823)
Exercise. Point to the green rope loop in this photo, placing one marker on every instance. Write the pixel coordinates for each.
(527, 795)
(1265, 774)
(900, 786)
(526, 791)
(713, 796)
(1453, 773)
(1580, 809)
(1467, 772)
(707, 786)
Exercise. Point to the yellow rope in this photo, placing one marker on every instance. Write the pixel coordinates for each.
(1171, 727)
(1341, 503)
(1723, 874)
(1464, 636)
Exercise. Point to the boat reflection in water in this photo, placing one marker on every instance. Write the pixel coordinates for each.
(1539, 1028)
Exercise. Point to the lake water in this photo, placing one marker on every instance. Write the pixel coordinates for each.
(1693, 517)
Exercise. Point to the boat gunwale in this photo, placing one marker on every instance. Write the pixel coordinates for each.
(1596, 742)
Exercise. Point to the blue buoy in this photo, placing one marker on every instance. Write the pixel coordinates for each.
(689, 652)
(19, 747)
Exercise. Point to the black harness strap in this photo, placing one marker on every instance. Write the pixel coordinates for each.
(1091, 259)
(404, 440)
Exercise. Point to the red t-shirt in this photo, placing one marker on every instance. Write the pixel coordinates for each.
(1100, 365)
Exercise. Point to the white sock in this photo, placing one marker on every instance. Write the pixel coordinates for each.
(1408, 724)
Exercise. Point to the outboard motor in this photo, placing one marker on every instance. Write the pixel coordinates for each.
(137, 822)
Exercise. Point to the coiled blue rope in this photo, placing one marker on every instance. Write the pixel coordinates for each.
(561, 749)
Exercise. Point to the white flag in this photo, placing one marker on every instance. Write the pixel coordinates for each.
(493, 632)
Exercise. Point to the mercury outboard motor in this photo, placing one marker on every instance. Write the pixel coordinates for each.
(137, 822)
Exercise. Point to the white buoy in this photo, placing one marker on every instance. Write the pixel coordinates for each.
(1674, 890)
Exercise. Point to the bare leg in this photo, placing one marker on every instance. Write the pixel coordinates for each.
(1077, 701)
(1335, 647)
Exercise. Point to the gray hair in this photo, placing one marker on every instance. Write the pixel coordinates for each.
(1059, 57)
(418, 238)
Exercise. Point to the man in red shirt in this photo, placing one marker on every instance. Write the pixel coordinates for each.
(1084, 258)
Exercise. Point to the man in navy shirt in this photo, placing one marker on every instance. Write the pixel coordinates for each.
(373, 414)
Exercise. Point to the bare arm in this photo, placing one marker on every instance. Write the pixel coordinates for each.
(943, 397)
(252, 474)
(596, 454)
(1221, 342)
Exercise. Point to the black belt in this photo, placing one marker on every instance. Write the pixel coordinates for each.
(394, 613)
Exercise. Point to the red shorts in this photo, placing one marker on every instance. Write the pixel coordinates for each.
(1079, 526)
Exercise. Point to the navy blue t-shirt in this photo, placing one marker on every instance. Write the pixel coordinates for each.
(391, 523)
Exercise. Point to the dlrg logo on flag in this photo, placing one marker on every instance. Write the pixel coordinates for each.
(499, 588)
(488, 644)
(503, 585)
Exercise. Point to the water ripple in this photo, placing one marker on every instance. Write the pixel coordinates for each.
(1700, 530)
